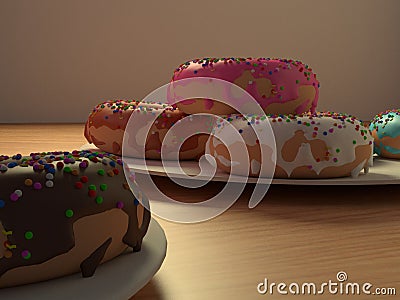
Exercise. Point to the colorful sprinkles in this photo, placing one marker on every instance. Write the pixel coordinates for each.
(312, 126)
(386, 130)
(261, 64)
(116, 113)
(46, 168)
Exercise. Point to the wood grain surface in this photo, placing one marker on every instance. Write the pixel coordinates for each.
(297, 234)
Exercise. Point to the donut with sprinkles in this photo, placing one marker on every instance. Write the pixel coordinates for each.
(63, 213)
(385, 128)
(320, 145)
(107, 124)
(280, 86)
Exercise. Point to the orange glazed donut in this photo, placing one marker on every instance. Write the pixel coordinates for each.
(280, 86)
(323, 145)
(107, 123)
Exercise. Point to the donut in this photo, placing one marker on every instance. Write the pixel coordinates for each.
(321, 145)
(280, 86)
(63, 213)
(385, 128)
(107, 123)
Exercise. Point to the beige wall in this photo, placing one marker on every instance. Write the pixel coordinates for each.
(60, 58)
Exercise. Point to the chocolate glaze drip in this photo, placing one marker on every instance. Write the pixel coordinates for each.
(90, 264)
(132, 237)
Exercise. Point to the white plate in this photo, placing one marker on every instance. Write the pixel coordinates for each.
(384, 171)
(117, 279)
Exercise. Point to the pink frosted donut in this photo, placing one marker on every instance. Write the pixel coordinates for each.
(107, 123)
(323, 145)
(280, 86)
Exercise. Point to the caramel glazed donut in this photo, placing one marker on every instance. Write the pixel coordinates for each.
(280, 86)
(323, 145)
(107, 123)
(385, 128)
(64, 212)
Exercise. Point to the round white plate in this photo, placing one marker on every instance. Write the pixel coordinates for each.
(384, 171)
(117, 279)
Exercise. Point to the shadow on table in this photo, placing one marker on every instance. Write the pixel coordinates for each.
(333, 195)
(328, 204)
(152, 290)
(303, 202)
(291, 194)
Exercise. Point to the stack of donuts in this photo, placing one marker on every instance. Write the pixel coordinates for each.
(309, 144)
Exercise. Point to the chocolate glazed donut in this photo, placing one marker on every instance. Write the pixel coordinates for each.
(64, 212)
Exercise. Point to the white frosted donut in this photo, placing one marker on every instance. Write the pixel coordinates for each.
(323, 145)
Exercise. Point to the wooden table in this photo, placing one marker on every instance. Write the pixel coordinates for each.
(297, 234)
